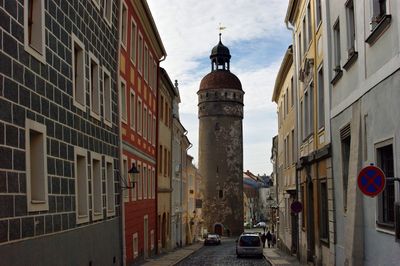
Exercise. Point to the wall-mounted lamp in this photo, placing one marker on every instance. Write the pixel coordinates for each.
(125, 184)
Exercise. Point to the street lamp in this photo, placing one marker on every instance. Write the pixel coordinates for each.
(125, 184)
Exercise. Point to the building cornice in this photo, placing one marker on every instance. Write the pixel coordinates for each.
(286, 64)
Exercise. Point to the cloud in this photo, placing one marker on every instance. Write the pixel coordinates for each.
(257, 39)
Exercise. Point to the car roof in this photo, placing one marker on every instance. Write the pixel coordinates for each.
(249, 234)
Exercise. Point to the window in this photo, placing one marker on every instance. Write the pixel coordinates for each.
(140, 182)
(110, 186)
(165, 161)
(309, 32)
(149, 190)
(123, 100)
(133, 41)
(336, 47)
(345, 149)
(323, 211)
(133, 190)
(107, 97)
(154, 130)
(306, 115)
(379, 9)
(301, 120)
(135, 245)
(126, 176)
(97, 201)
(291, 92)
(124, 23)
(160, 162)
(145, 122)
(36, 166)
(293, 148)
(149, 123)
(140, 54)
(300, 48)
(284, 152)
(351, 30)
(94, 87)
(151, 71)
(146, 63)
(220, 193)
(81, 186)
(384, 152)
(311, 108)
(319, 12)
(139, 116)
(154, 74)
(108, 11)
(78, 73)
(162, 108)
(132, 108)
(34, 29)
(153, 181)
(152, 239)
(287, 101)
(166, 114)
(96, 3)
(321, 99)
(145, 177)
(305, 40)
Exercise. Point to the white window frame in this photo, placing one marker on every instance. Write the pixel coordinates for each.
(146, 63)
(96, 4)
(77, 102)
(110, 187)
(155, 74)
(135, 245)
(122, 41)
(153, 181)
(351, 27)
(139, 182)
(96, 184)
(337, 53)
(125, 166)
(85, 217)
(36, 204)
(151, 70)
(135, 41)
(132, 109)
(145, 178)
(39, 55)
(154, 130)
(149, 126)
(140, 54)
(94, 113)
(139, 114)
(149, 189)
(134, 189)
(107, 114)
(123, 113)
(108, 4)
(144, 126)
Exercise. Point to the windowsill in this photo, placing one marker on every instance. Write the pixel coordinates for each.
(321, 129)
(350, 61)
(108, 123)
(94, 115)
(79, 106)
(379, 29)
(324, 241)
(97, 216)
(110, 213)
(38, 201)
(39, 56)
(337, 77)
(319, 25)
(385, 227)
(133, 61)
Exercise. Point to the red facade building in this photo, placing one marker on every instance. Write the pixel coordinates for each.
(141, 50)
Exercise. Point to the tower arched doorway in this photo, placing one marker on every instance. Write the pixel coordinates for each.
(164, 231)
(218, 229)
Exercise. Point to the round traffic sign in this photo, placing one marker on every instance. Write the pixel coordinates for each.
(371, 181)
(296, 206)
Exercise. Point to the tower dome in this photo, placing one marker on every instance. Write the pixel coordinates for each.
(220, 56)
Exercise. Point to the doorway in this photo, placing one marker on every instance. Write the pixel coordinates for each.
(146, 236)
(218, 229)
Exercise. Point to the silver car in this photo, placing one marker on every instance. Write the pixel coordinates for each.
(249, 244)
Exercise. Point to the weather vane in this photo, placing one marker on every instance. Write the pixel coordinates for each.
(220, 28)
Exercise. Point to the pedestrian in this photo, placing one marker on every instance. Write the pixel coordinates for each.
(263, 238)
(273, 240)
(269, 238)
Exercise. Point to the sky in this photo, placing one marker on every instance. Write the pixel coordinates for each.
(257, 38)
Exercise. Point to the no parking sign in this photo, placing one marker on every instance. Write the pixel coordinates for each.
(371, 181)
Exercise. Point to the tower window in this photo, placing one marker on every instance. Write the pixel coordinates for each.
(34, 28)
(221, 193)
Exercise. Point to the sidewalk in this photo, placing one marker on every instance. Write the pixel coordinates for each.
(277, 257)
(175, 256)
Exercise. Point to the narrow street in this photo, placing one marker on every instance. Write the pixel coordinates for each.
(223, 254)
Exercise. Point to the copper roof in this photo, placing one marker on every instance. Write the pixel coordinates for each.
(220, 79)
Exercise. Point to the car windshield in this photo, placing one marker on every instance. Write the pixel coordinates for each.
(250, 241)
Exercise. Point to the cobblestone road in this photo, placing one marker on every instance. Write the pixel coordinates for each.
(223, 254)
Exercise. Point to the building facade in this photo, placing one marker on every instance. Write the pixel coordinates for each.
(364, 77)
(59, 135)
(221, 144)
(141, 50)
(314, 166)
(284, 96)
(166, 95)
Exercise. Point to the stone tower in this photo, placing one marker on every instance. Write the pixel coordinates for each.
(221, 145)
